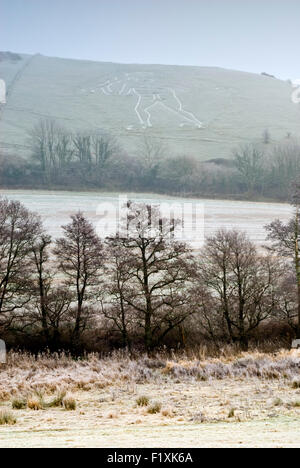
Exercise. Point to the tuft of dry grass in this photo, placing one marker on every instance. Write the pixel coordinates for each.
(295, 404)
(7, 418)
(58, 400)
(35, 403)
(199, 418)
(18, 403)
(142, 401)
(168, 413)
(154, 408)
(295, 383)
(69, 403)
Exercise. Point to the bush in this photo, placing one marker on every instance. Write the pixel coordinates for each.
(69, 403)
(34, 403)
(155, 408)
(142, 401)
(168, 413)
(277, 402)
(296, 383)
(295, 404)
(199, 418)
(58, 400)
(7, 418)
(18, 403)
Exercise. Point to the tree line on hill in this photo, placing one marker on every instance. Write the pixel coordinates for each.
(141, 288)
(95, 160)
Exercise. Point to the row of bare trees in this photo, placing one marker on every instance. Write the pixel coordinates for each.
(141, 285)
(54, 148)
(85, 159)
(268, 172)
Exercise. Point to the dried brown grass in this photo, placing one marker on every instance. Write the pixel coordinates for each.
(56, 374)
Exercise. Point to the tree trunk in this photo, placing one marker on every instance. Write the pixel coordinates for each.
(148, 334)
(76, 331)
(43, 309)
(244, 343)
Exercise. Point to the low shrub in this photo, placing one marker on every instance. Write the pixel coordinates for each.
(69, 403)
(58, 400)
(155, 408)
(142, 401)
(34, 403)
(7, 418)
(18, 403)
(295, 383)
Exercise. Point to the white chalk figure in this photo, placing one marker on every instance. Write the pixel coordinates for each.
(148, 95)
(2, 92)
(296, 93)
(2, 352)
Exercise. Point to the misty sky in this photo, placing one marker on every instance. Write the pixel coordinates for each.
(250, 35)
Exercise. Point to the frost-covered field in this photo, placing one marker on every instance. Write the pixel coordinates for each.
(248, 400)
(56, 207)
(170, 103)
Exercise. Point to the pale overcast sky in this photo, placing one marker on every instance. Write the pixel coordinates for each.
(250, 35)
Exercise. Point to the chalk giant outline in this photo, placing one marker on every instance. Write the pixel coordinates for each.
(123, 87)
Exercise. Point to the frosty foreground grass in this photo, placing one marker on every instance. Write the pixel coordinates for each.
(249, 399)
(47, 374)
(7, 418)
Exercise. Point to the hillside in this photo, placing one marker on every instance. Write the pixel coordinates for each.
(194, 110)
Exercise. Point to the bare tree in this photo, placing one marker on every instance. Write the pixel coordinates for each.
(51, 146)
(49, 307)
(285, 241)
(42, 278)
(249, 162)
(64, 149)
(80, 256)
(104, 148)
(284, 167)
(266, 137)
(242, 282)
(159, 273)
(43, 138)
(58, 305)
(151, 152)
(207, 315)
(83, 148)
(18, 227)
(115, 290)
(287, 308)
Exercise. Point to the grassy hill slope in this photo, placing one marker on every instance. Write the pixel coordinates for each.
(193, 110)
